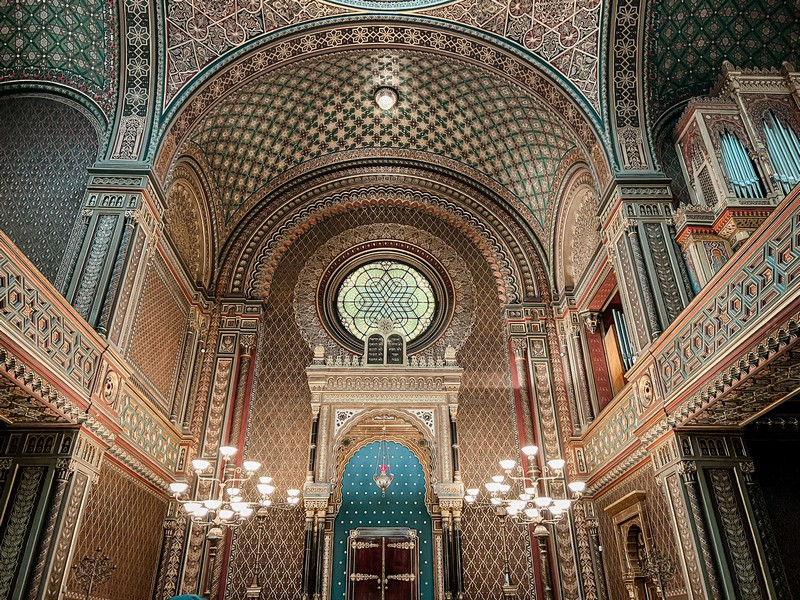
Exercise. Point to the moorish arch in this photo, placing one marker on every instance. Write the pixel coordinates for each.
(505, 238)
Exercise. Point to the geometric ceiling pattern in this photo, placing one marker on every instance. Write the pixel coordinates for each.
(71, 42)
(564, 33)
(322, 106)
(689, 40)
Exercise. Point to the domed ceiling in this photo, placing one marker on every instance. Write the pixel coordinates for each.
(322, 109)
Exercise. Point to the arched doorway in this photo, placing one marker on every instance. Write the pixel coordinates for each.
(363, 506)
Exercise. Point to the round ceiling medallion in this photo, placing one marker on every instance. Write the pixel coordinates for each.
(390, 5)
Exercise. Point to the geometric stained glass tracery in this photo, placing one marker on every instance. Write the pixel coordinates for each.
(386, 289)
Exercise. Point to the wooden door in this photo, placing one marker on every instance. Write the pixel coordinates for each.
(382, 564)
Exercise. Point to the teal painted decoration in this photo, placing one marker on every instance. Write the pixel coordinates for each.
(363, 506)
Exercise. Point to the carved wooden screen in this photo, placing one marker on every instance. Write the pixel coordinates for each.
(382, 564)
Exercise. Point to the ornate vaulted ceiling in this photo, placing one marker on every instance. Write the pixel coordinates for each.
(691, 38)
(563, 33)
(322, 109)
(68, 42)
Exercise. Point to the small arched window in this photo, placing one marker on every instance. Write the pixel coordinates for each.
(783, 148)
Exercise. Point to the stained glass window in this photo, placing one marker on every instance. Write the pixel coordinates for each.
(386, 290)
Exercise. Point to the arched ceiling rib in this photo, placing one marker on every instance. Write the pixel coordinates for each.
(323, 106)
(563, 33)
(689, 40)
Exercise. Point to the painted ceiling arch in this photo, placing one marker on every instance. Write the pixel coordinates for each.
(322, 109)
(564, 34)
(512, 250)
(690, 39)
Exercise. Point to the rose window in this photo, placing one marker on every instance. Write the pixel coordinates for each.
(386, 290)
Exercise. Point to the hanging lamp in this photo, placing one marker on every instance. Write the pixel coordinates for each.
(383, 471)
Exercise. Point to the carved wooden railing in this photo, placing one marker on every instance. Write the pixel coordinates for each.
(66, 369)
(729, 357)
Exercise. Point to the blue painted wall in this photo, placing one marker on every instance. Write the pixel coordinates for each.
(363, 506)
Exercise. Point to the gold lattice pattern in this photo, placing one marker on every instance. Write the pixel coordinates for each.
(158, 335)
(658, 521)
(125, 520)
(280, 415)
(448, 108)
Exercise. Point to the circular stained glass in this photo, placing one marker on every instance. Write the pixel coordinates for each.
(390, 290)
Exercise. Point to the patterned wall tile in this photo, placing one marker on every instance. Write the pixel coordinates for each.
(45, 151)
(124, 519)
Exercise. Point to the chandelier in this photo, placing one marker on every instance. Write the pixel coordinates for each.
(526, 497)
(219, 499)
(383, 471)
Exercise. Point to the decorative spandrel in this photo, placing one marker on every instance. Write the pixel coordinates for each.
(386, 290)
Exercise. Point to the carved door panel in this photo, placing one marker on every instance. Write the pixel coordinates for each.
(382, 564)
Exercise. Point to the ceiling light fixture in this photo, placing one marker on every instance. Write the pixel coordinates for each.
(385, 98)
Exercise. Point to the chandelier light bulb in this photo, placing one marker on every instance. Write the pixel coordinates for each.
(469, 499)
(498, 478)
(473, 491)
(556, 463)
(227, 451)
(233, 491)
(577, 486)
(178, 487)
(292, 493)
(555, 511)
(504, 488)
(532, 513)
(226, 514)
(496, 501)
(530, 450)
(507, 464)
(212, 504)
(518, 504)
(265, 479)
(531, 491)
(543, 501)
(200, 465)
(251, 466)
(563, 504)
(385, 98)
(238, 506)
(292, 500)
(246, 513)
(236, 499)
(191, 507)
(201, 513)
(265, 489)
(512, 510)
(265, 502)
(493, 487)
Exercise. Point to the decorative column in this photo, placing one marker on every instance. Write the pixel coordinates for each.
(109, 247)
(215, 417)
(534, 324)
(45, 477)
(654, 283)
(580, 375)
(707, 479)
